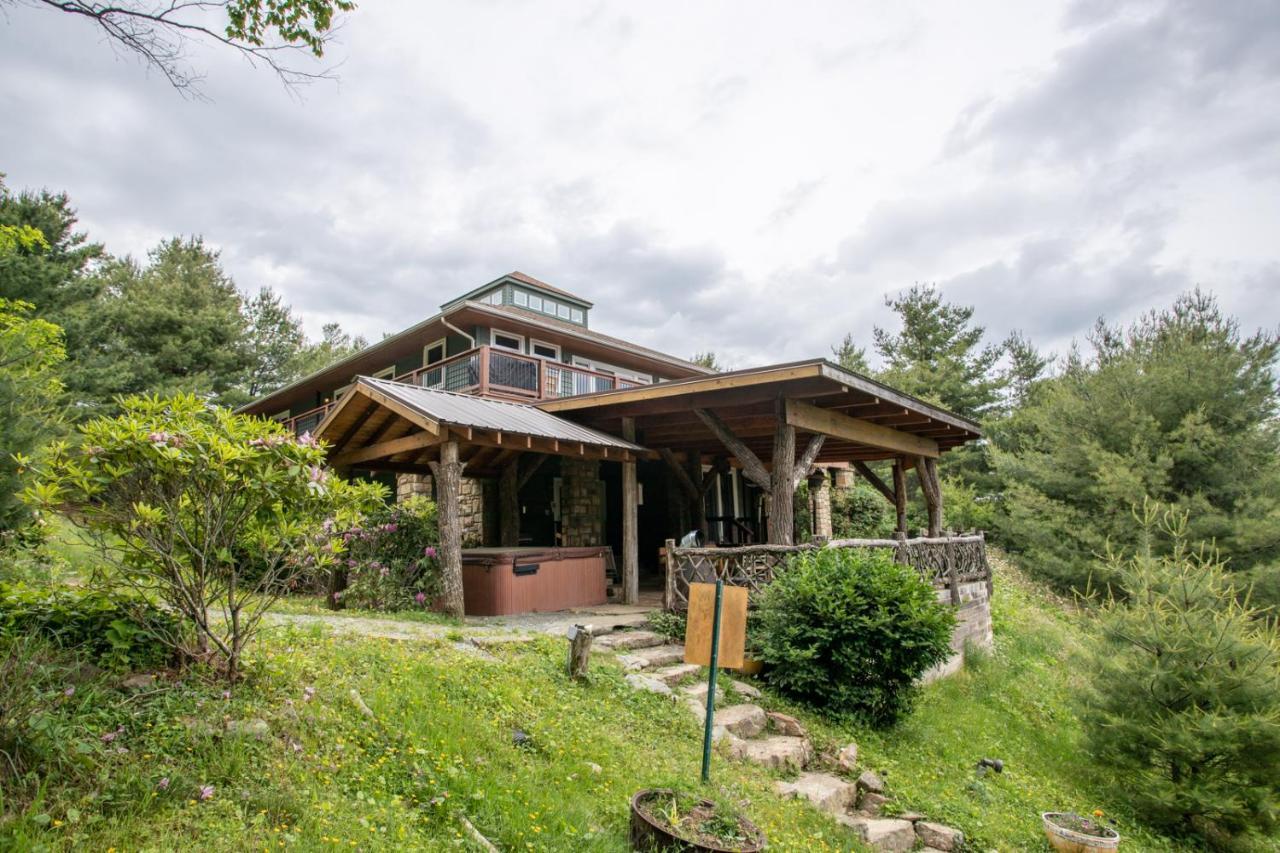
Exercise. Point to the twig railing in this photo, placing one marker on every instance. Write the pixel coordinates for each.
(945, 561)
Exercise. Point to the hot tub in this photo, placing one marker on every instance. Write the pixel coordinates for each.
(505, 581)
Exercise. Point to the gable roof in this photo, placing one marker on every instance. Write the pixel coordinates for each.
(521, 278)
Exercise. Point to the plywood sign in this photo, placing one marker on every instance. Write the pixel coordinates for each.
(733, 625)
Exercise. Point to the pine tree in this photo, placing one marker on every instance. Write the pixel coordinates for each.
(274, 340)
(851, 357)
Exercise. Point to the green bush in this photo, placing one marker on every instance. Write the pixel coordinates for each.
(859, 512)
(1184, 698)
(849, 631)
(391, 561)
(669, 625)
(120, 631)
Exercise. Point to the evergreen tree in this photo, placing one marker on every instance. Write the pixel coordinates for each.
(333, 346)
(1179, 408)
(708, 360)
(851, 356)
(1026, 367)
(1185, 693)
(51, 274)
(274, 340)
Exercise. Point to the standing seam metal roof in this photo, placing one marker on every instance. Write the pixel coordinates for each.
(465, 410)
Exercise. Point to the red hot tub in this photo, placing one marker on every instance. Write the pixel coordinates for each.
(506, 581)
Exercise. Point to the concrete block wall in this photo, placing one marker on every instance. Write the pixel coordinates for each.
(973, 626)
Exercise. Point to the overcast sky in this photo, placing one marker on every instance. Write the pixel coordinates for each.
(751, 178)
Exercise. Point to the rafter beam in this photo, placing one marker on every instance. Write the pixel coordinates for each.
(813, 419)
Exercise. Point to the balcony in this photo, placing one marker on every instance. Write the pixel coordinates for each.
(492, 372)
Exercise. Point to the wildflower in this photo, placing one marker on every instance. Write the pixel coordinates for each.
(206, 792)
(159, 438)
(70, 691)
(337, 596)
(391, 527)
(110, 736)
(226, 694)
(308, 440)
(429, 552)
(308, 693)
(421, 598)
(163, 784)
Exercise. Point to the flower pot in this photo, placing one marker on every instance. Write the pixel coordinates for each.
(1070, 833)
(650, 832)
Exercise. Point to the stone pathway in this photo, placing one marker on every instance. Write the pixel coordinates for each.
(779, 742)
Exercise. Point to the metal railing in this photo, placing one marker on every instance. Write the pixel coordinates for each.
(491, 371)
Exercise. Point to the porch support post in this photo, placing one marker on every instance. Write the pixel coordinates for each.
(509, 504)
(630, 533)
(448, 477)
(900, 495)
(782, 490)
(927, 471)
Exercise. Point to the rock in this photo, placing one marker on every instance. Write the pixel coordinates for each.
(744, 689)
(255, 728)
(884, 834)
(870, 781)
(648, 682)
(626, 640)
(596, 769)
(699, 691)
(870, 804)
(631, 663)
(847, 758)
(787, 725)
(699, 709)
(139, 681)
(745, 721)
(673, 675)
(938, 836)
(828, 793)
(777, 752)
(911, 816)
(497, 641)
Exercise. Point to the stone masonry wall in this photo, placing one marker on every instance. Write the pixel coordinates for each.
(581, 503)
(821, 508)
(973, 626)
(470, 503)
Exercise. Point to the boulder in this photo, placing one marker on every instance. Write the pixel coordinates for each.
(785, 724)
(139, 681)
(777, 752)
(870, 781)
(655, 656)
(847, 758)
(639, 681)
(255, 728)
(827, 793)
(624, 640)
(871, 804)
(743, 688)
(745, 721)
(888, 835)
(698, 691)
(938, 836)
(673, 675)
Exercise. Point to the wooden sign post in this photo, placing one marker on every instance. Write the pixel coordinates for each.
(715, 636)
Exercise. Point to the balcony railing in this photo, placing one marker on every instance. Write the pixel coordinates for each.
(492, 371)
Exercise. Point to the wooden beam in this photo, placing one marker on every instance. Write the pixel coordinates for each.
(871, 477)
(407, 412)
(751, 464)
(448, 478)
(630, 528)
(360, 420)
(531, 466)
(813, 419)
(385, 449)
(807, 459)
(927, 471)
(900, 496)
(782, 479)
(509, 504)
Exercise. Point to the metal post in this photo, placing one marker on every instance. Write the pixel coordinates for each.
(711, 685)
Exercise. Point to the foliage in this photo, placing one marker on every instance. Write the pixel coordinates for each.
(334, 345)
(708, 360)
(849, 630)
(120, 630)
(273, 340)
(669, 625)
(172, 489)
(50, 272)
(860, 511)
(1180, 409)
(1185, 692)
(966, 508)
(31, 353)
(391, 561)
(851, 357)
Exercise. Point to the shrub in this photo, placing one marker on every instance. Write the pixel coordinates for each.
(858, 512)
(172, 489)
(119, 631)
(669, 625)
(391, 561)
(849, 631)
(1184, 698)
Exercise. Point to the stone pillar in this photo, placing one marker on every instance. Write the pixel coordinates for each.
(581, 503)
(471, 511)
(408, 485)
(843, 478)
(820, 504)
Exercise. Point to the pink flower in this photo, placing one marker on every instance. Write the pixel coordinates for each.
(159, 438)
(315, 474)
(308, 440)
(308, 693)
(163, 784)
(391, 528)
(206, 792)
(70, 691)
(429, 551)
(226, 694)
(421, 598)
(110, 736)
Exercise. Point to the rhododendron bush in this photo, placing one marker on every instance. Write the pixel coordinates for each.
(390, 561)
(174, 490)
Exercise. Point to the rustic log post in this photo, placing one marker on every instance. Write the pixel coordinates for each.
(669, 588)
(448, 477)
(900, 496)
(927, 470)
(509, 504)
(953, 573)
(781, 491)
(580, 637)
(630, 532)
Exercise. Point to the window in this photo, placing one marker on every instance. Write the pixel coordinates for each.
(611, 370)
(545, 350)
(520, 298)
(577, 315)
(563, 311)
(535, 302)
(506, 340)
(495, 298)
(385, 373)
(549, 305)
(433, 353)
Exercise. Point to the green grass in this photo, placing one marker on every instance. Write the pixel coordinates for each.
(314, 605)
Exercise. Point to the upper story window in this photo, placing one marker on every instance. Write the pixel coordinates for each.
(509, 341)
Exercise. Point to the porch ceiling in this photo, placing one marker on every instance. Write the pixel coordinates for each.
(391, 426)
(862, 419)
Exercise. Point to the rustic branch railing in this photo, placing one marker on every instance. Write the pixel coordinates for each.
(945, 561)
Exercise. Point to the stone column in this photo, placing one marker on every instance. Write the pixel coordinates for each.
(408, 485)
(820, 504)
(581, 505)
(843, 478)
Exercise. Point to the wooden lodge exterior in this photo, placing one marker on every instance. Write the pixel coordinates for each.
(532, 430)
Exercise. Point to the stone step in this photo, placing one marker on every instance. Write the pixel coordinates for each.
(673, 675)
(828, 793)
(778, 752)
(640, 681)
(698, 692)
(742, 688)
(888, 835)
(652, 657)
(621, 641)
(744, 721)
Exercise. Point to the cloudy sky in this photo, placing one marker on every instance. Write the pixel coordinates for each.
(746, 177)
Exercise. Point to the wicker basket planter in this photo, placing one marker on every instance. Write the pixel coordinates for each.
(1070, 833)
(650, 832)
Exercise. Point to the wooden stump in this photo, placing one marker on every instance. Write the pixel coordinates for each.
(580, 637)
